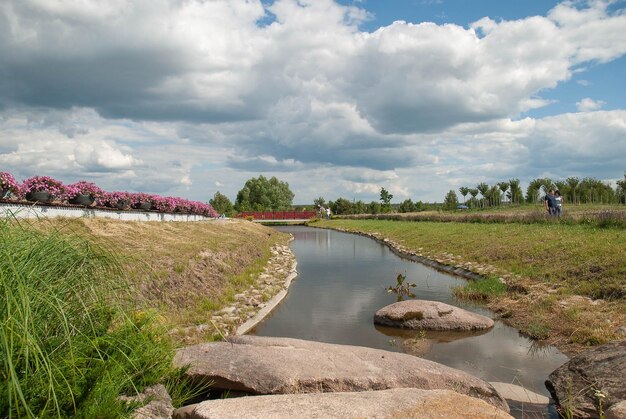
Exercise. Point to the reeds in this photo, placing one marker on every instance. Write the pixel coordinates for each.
(66, 345)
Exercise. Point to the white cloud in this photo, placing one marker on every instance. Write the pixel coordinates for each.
(588, 104)
(165, 96)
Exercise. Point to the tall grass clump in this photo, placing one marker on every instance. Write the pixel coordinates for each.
(482, 289)
(67, 348)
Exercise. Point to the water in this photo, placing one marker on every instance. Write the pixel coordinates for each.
(341, 284)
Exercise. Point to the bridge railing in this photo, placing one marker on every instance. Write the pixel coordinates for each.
(278, 215)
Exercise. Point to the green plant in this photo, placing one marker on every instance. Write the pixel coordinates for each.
(483, 289)
(538, 329)
(67, 346)
(402, 288)
(599, 395)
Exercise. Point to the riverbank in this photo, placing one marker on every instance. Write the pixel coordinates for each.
(185, 274)
(565, 282)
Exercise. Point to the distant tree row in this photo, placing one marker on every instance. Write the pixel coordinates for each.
(343, 206)
(576, 191)
(263, 194)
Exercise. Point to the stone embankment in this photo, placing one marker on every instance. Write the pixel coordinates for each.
(251, 305)
(444, 262)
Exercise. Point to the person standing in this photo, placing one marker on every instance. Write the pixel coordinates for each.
(328, 213)
(550, 201)
(559, 202)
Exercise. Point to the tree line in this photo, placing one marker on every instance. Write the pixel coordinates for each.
(263, 194)
(577, 191)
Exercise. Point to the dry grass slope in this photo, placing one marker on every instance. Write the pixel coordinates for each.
(184, 270)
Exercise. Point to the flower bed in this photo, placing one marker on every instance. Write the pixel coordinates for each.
(44, 189)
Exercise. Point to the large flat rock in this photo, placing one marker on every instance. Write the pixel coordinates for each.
(430, 315)
(574, 384)
(395, 403)
(265, 365)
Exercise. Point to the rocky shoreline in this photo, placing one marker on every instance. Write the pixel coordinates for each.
(252, 305)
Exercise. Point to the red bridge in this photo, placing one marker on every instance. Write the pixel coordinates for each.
(278, 216)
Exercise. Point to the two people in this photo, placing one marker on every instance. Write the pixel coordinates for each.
(324, 212)
(554, 202)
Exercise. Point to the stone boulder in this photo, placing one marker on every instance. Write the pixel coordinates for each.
(264, 365)
(574, 384)
(430, 315)
(616, 411)
(395, 403)
(156, 400)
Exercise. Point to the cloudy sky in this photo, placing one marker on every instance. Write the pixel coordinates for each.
(338, 98)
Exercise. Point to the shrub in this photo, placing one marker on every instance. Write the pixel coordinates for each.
(43, 184)
(83, 188)
(8, 184)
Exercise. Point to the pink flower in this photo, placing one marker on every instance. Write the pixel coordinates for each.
(43, 184)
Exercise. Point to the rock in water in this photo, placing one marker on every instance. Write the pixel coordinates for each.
(265, 365)
(576, 385)
(395, 403)
(430, 315)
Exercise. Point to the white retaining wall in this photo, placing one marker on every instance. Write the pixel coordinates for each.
(40, 211)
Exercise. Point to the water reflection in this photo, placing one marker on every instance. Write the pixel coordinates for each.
(341, 284)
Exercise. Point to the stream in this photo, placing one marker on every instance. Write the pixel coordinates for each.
(341, 284)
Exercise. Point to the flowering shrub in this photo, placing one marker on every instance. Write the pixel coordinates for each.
(43, 184)
(8, 182)
(110, 199)
(165, 203)
(83, 188)
(103, 198)
(140, 198)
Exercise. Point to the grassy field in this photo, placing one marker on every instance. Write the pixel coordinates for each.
(566, 282)
(595, 215)
(87, 304)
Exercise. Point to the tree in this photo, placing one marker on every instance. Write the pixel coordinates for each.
(532, 192)
(319, 202)
(464, 191)
(572, 182)
(493, 195)
(385, 199)
(360, 207)
(373, 207)
(515, 191)
(473, 192)
(504, 186)
(451, 201)
(342, 206)
(222, 204)
(407, 206)
(621, 190)
(483, 188)
(264, 194)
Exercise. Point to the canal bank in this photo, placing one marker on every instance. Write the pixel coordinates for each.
(341, 284)
(550, 272)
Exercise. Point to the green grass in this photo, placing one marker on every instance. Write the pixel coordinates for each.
(480, 290)
(603, 216)
(67, 346)
(578, 259)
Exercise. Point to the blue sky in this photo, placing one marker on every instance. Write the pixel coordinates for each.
(338, 98)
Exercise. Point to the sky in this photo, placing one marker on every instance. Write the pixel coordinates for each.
(337, 98)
